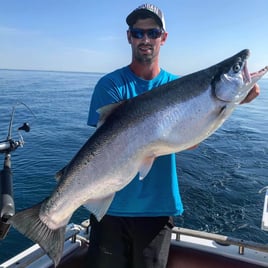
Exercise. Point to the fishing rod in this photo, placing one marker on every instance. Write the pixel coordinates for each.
(7, 205)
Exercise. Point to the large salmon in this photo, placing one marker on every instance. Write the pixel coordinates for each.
(130, 135)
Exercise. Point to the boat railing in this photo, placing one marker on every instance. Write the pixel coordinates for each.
(221, 239)
(78, 235)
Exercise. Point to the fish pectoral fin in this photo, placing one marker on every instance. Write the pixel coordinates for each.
(99, 207)
(146, 167)
(29, 224)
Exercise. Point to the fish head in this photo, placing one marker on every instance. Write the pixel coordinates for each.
(233, 80)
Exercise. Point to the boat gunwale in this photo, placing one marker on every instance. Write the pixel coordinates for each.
(77, 240)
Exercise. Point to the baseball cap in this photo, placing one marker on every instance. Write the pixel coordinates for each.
(144, 11)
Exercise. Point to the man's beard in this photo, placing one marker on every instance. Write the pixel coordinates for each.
(144, 58)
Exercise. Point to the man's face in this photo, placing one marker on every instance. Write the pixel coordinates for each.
(146, 49)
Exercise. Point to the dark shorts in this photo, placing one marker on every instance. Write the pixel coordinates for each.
(129, 242)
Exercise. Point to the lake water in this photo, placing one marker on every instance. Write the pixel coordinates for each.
(219, 181)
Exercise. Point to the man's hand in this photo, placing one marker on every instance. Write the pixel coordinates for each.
(254, 92)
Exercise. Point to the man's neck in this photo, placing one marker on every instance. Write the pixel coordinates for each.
(146, 71)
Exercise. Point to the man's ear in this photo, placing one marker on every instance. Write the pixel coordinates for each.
(164, 38)
(128, 37)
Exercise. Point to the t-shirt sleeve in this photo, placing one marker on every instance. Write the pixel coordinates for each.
(105, 92)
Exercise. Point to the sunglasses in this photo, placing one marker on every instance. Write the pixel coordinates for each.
(151, 33)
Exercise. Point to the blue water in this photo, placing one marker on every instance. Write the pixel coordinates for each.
(219, 181)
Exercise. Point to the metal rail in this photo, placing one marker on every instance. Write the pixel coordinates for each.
(221, 239)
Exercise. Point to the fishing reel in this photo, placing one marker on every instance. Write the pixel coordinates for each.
(7, 206)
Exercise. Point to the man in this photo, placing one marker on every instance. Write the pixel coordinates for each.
(136, 231)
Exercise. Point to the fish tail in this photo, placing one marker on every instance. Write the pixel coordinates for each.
(29, 224)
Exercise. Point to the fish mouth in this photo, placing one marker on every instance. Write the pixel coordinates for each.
(257, 75)
(246, 75)
(251, 78)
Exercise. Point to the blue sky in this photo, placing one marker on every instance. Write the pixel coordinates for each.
(90, 36)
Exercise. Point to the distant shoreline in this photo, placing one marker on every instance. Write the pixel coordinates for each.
(50, 71)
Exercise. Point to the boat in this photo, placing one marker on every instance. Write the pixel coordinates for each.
(188, 249)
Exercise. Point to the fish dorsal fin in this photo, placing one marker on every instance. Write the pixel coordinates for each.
(146, 167)
(99, 207)
(105, 111)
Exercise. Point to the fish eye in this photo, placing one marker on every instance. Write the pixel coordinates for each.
(237, 67)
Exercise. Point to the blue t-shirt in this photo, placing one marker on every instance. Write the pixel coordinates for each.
(158, 193)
